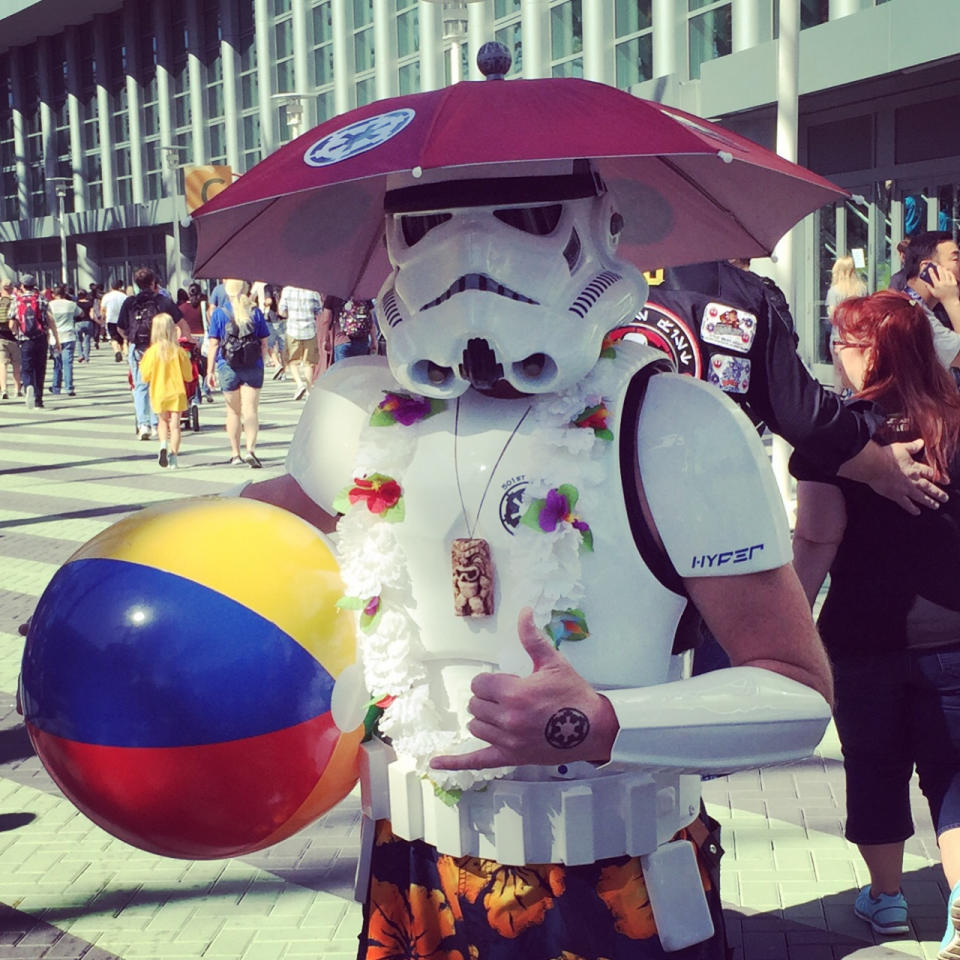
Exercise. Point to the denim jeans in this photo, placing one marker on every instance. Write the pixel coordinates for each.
(895, 711)
(33, 365)
(86, 333)
(63, 367)
(141, 391)
(355, 348)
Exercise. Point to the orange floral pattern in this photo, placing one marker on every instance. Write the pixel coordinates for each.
(514, 898)
(411, 927)
(622, 888)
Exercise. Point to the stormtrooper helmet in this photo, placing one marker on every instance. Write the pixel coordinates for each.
(502, 278)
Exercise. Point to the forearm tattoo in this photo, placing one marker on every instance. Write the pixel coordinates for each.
(567, 728)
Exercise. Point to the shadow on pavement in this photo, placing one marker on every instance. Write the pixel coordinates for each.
(74, 515)
(10, 821)
(827, 926)
(15, 745)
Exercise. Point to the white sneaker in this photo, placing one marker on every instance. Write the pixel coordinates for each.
(299, 393)
(144, 432)
(28, 397)
(154, 434)
(172, 461)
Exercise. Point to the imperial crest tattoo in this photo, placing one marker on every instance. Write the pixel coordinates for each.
(567, 728)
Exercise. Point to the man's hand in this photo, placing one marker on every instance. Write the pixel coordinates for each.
(944, 287)
(892, 472)
(552, 716)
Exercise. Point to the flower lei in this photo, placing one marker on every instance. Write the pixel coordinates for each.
(568, 439)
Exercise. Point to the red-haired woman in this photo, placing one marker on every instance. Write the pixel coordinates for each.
(891, 619)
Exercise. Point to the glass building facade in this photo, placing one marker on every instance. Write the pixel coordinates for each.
(111, 106)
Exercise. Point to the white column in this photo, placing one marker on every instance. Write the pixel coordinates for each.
(195, 73)
(843, 8)
(748, 23)
(231, 71)
(104, 110)
(164, 113)
(788, 56)
(598, 60)
(535, 36)
(268, 125)
(344, 91)
(76, 124)
(669, 28)
(479, 32)
(431, 45)
(386, 82)
(47, 124)
(20, 134)
(134, 68)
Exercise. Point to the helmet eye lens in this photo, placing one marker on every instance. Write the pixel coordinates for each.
(538, 221)
(416, 226)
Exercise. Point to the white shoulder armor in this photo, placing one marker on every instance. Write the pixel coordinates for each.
(708, 481)
(323, 451)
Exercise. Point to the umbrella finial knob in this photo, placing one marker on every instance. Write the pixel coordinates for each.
(494, 60)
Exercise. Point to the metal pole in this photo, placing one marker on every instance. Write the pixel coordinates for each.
(171, 165)
(788, 58)
(62, 212)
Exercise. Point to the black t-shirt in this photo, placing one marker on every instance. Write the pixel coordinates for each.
(886, 559)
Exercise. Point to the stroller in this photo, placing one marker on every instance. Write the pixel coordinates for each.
(189, 418)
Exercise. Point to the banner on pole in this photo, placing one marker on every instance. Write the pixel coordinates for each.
(203, 183)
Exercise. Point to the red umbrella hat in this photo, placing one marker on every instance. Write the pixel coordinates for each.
(312, 213)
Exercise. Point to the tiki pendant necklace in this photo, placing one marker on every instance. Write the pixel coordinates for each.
(470, 557)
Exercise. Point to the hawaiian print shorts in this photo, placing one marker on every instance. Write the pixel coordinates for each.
(423, 905)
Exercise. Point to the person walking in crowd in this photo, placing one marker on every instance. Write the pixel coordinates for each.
(267, 300)
(194, 312)
(110, 306)
(86, 326)
(33, 326)
(236, 348)
(899, 280)
(165, 367)
(891, 619)
(301, 309)
(135, 325)
(348, 327)
(64, 315)
(845, 283)
(9, 348)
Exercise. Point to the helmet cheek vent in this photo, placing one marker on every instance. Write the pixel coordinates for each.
(571, 252)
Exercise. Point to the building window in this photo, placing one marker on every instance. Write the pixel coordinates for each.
(250, 137)
(634, 42)
(566, 38)
(61, 115)
(180, 41)
(364, 55)
(9, 205)
(116, 83)
(506, 30)
(323, 58)
(283, 57)
(211, 36)
(408, 45)
(149, 106)
(30, 109)
(709, 32)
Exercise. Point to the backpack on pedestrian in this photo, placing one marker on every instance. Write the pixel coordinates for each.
(142, 316)
(356, 319)
(29, 319)
(240, 352)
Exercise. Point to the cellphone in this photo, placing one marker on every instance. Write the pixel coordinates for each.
(930, 274)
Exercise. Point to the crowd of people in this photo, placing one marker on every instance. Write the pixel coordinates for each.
(221, 342)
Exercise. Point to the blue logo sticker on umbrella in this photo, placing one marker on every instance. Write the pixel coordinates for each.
(357, 138)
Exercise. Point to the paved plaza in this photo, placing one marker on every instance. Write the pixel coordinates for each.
(69, 890)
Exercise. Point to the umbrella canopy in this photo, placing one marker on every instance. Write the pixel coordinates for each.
(312, 213)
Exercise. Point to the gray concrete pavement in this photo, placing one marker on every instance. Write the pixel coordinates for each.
(69, 890)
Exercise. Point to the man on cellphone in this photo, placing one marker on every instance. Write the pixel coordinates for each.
(932, 267)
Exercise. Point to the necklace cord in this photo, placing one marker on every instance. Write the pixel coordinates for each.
(493, 472)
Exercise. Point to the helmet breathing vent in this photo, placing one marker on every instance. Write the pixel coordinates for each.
(592, 292)
(571, 252)
(391, 312)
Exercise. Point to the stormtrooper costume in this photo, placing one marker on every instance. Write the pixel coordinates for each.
(495, 313)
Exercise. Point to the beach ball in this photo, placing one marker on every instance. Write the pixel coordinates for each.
(178, 674)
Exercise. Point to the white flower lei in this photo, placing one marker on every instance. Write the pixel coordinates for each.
(372, 563)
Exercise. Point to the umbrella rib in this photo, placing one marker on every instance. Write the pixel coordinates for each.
(233, 235)
(708, 196)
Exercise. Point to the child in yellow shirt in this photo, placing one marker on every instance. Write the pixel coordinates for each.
(166, 367)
